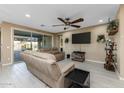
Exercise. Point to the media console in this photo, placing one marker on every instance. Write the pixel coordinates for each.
(78, 56)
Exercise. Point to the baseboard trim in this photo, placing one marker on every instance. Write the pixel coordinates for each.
(121, 78)
(101, 62)
(6, 64)
(118, 74)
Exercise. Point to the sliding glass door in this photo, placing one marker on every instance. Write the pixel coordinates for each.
(29, 41)
(22, 41)
(37, 41)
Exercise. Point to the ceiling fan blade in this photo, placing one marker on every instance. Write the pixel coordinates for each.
(78, 20)
(58, 25)
(62, 20)
(76, 26)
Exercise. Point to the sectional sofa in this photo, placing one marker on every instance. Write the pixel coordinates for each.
(45, 68)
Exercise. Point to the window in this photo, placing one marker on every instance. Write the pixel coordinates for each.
(29, 41)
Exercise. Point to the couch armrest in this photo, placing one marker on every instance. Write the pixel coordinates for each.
(69, 67)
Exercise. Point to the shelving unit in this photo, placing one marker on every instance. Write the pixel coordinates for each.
(110, 47)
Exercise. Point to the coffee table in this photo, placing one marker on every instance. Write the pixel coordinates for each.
(79, 78)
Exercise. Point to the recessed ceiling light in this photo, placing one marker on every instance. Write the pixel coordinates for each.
(100, 21)
(27, 15)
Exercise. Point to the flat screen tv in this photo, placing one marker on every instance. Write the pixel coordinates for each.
(81, 38)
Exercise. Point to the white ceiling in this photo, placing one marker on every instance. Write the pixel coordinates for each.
(47, 14)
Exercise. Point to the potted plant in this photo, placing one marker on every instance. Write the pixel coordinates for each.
(66, 40)
(101, 38)
(112, 27)
(67, 50)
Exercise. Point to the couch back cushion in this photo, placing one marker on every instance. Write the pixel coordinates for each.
(54, 49)
(48, 50)
(46, 56)
(44, 50)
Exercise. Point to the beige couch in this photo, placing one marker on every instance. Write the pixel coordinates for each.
(45, 67)
(59, 55)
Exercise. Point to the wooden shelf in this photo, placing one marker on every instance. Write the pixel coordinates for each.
(113, 32)
(109, 57)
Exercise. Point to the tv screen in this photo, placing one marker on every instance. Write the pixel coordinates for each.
(81, 38)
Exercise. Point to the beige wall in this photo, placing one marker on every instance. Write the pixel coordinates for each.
(7, 40)
(94, 51)
(120, 16)
(6, 45)
(56, 41)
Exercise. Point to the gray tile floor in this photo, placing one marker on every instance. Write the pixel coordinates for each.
(17, 75)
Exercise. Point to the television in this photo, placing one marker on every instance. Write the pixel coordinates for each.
(81, 38)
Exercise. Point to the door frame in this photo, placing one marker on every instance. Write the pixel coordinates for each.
(25, 30)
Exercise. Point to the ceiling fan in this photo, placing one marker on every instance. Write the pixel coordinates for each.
(68, 23)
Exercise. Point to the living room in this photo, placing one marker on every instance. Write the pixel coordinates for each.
(33, 45)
